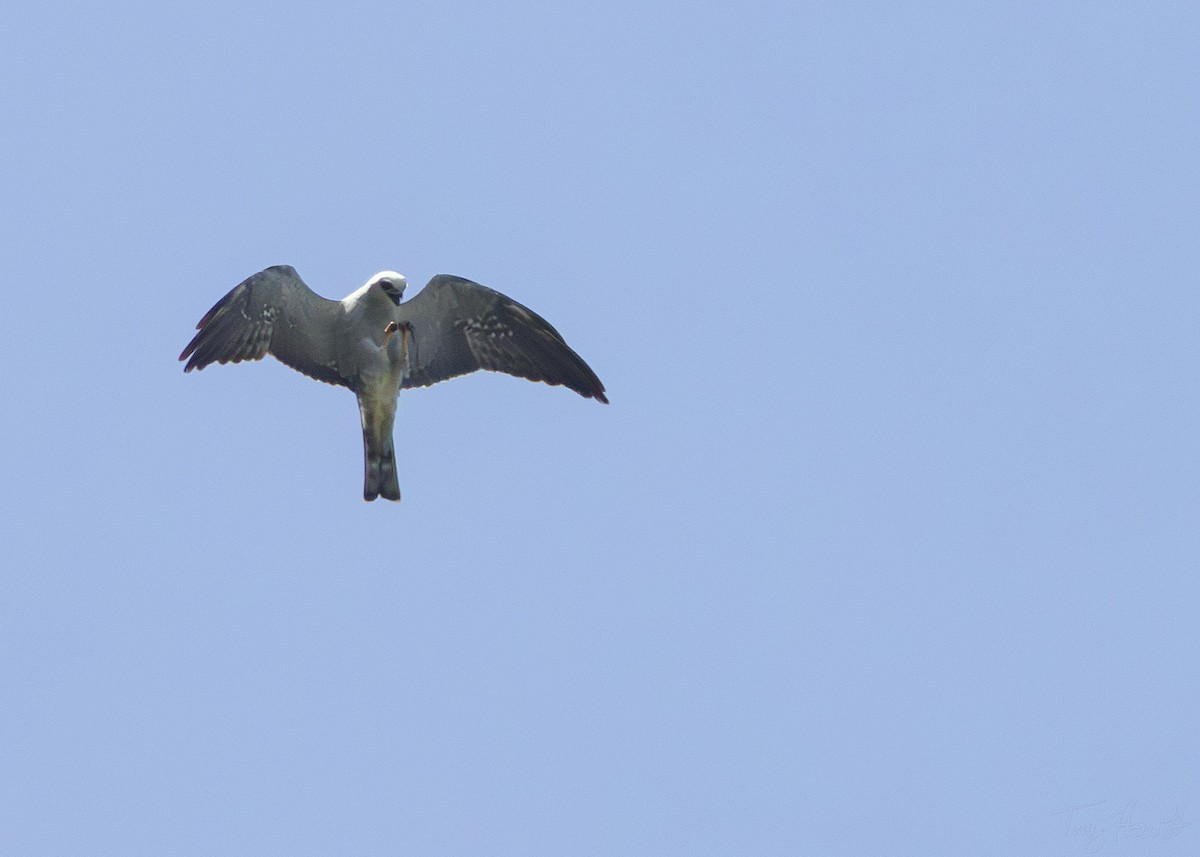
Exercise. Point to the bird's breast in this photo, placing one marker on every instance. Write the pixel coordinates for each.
(376, 367)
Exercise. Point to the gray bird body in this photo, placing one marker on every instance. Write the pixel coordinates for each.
(376, 345)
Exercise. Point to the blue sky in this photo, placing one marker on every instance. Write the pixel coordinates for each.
(888, 542)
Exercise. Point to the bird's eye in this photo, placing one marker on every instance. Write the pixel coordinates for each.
(390, 289)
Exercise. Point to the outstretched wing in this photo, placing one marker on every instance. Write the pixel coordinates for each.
(272, 312)
(459, 326)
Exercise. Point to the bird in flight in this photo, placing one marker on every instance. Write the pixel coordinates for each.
(376, 344)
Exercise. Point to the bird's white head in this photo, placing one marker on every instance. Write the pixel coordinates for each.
(392, 284)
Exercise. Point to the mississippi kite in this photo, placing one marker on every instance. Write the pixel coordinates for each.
(376, 345)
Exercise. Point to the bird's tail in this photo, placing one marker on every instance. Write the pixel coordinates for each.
(380, 478)
(379, 457)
